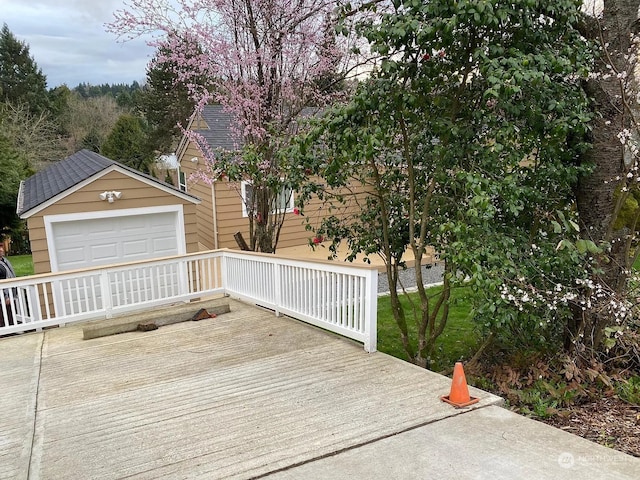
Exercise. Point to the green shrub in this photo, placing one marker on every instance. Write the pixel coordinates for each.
(629, 391)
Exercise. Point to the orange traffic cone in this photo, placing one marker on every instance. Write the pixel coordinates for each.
(459, 395)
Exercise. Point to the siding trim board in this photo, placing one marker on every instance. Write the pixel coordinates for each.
(214, 216)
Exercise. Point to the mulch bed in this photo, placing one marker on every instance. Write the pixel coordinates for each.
(608, 421)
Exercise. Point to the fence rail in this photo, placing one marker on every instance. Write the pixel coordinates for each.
(337, 297)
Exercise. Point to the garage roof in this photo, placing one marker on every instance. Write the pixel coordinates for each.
(63, 176)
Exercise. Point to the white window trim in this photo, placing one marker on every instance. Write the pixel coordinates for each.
(182, 186)
(243, 190)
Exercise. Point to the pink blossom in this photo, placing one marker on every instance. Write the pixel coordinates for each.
(264, 54)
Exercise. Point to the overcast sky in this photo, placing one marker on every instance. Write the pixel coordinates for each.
(68, 41)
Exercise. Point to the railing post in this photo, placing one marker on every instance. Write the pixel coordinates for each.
(223, 268)
(277, 287)
(107, 298)
(34, 304)
(371, 311)
(183, 277)
(3, 306)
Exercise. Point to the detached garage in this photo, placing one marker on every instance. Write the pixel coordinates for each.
(88, 210)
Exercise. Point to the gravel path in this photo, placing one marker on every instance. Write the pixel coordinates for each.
(430, 275)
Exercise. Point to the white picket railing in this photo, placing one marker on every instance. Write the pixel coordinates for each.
(338, 297)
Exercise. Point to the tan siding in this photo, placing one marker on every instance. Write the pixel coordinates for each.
(294, 230)
(37, 239)
(229, 213)
(202, 190)
(204, 216)
(36, 230)
(191, 228)
(293, 233)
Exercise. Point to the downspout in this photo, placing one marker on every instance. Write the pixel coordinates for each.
(215, 215)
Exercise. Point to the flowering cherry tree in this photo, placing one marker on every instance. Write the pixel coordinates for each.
(270, 59)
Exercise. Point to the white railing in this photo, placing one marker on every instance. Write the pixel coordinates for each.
(337, 297)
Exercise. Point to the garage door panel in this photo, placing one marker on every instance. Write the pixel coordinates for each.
(73, 257)
(72, 229)
(67, 237)
(160, 223)
(134, 230)
(135, 248)
(164, 244)
(95, 228)
(103, 253)
(98, 230)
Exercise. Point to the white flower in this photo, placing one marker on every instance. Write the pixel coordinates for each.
(624, 136)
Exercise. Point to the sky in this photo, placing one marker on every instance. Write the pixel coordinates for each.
(69, 42)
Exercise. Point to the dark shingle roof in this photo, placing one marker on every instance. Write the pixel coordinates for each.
(65, 174)
(219, 134)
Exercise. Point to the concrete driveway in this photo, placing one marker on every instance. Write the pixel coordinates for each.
(249, 395)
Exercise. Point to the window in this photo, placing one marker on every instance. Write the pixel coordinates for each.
(284, 202)
(182, 181)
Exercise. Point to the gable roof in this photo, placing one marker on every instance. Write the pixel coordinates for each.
(63, 176)
(219, 135)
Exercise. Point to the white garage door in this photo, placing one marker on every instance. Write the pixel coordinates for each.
(103, 241)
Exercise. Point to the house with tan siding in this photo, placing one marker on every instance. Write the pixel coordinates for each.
(221, 213)
(88, 210)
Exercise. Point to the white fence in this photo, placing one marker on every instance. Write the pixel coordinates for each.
(337, 297)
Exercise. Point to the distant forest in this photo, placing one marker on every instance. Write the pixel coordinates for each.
(86, 90)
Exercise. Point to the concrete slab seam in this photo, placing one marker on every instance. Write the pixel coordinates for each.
(34, 406)
(460, 411)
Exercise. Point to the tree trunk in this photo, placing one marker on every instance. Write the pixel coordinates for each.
(595, 193)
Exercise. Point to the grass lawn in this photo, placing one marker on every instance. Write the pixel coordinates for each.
(458, 341)
(22, 264)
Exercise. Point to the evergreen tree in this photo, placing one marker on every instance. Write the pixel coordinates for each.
(14, 169)
(127, 143)
(91, 141)
(166, 101)
(21, 81)
(60, 97)
(330, 81)
(125, 100)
